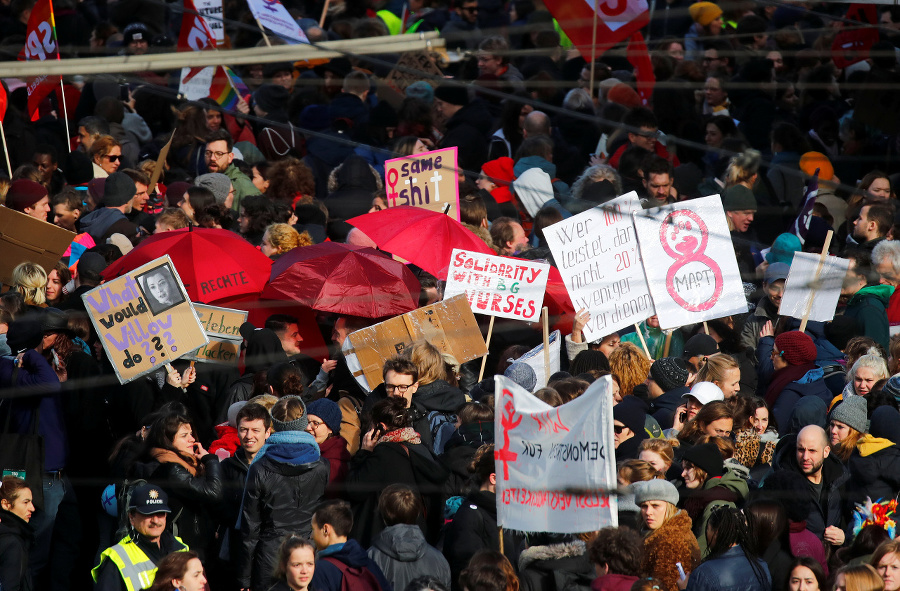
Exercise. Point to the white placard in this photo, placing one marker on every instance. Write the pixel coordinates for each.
(599, 260)
(535, 358)
(211, 11)
(542, 453)
(275, 17)
(498, 286)
(689, 262)
(798, 288)
(196, 87)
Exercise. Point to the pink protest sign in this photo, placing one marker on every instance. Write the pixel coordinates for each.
(426, 180)
(694, 274)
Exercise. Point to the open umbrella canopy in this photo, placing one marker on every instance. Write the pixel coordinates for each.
(344, 279)
(216, 266)
(423, 237)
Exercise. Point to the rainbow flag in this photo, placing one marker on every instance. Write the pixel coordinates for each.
(222, 91)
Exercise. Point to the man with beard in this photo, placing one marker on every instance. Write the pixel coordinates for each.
(872, 225)
(825, 477)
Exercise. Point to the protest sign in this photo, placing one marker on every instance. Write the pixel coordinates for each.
(599, 260)
(211, 11)
(24, 238)
(223, 328)
(413, 66)
(448, 325)
(555, 466)
(801, 286)
(144, 319)
(194, 85)
(498, 286)
(424, 180)
(689, 262)
(272, 15)
(535, 358)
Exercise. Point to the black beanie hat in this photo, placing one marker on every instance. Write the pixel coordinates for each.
(669, 373)
(455, 94)
(707, 457)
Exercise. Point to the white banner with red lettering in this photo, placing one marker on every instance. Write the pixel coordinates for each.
(272, 15)
(498, 286)
(556, 466)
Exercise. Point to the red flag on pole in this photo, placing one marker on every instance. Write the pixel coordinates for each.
(618, 20)
(3, 101)
(40, 44)
(195, 35)
(639, 58)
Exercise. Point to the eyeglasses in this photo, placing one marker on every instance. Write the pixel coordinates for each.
(649, 134)
(402, 388)
(215, 154)
(316, 424)
(113, 157)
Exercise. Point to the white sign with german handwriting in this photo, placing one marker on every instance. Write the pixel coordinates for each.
(555, 466)
(498, 286)
(689, 261)
(598, 257)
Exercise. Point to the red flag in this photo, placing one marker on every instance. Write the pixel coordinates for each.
(853, 44)
(3, 101)
(195, 35)
(617, 21)
(639, 58)
(40, 44)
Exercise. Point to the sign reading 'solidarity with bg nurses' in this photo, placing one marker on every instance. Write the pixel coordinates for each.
(144, 319)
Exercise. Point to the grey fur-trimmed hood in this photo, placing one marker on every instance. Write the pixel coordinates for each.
(551, 552)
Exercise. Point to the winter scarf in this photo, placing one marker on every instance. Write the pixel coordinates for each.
(783, 377)
(404, 435)
(165, 456)
(280, 438)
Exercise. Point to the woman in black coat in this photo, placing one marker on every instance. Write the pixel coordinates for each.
(392, 453)
(16, 536)
(286, 481)
(190, 475)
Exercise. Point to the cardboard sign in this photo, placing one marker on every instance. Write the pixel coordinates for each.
(498, 286)
(24, 238)
(801, 285)
(275, 17)
(211, 11)
(223, 327)
(689, 262)
(448, 325)
(426, 180)
(541, 453)
(597, 255)
(144, 319)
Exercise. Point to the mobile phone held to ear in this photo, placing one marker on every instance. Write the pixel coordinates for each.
(683, 416)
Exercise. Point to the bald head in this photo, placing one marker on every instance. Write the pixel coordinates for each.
(536, 123)
(812, 449)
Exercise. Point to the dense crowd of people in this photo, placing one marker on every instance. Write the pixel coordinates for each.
(750, 455)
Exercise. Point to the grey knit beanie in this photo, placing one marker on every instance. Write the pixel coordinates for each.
(852, 412)
(217, 183)
(522, 374)
(654, 490)
(298, 424)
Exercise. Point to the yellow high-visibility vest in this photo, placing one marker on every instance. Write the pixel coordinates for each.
(136, 568)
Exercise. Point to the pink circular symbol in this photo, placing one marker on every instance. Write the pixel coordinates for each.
(678, 236)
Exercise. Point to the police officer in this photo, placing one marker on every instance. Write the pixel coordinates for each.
(130, 565)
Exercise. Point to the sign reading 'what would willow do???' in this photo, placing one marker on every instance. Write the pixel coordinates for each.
(144, 319)
(689, 262)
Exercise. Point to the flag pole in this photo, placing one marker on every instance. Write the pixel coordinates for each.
(324, 14)
(263, 31)
(62, 88)
(6, 153)
(593, 50)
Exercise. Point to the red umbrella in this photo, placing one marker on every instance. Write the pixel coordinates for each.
(423, 237)
(559, 304)
(216, 266)
(344, 279)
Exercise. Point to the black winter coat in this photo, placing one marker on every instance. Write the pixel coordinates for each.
(876, 474)
(828, 510)
(411, 464)
(469, 130)
(474, 528)
(282, 490)
(191, 499)
(16, 538)
(556, 567)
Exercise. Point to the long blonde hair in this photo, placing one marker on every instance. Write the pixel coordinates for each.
(30, 280)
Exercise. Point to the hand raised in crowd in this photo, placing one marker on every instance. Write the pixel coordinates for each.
(677, 423)
(369, 440)
(173, 378)
(767, 330)
(328, 365)
(582, 317)
(242, 106)
(189, 376)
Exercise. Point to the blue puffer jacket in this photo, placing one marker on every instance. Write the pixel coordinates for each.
(731, 571)
(811, 384)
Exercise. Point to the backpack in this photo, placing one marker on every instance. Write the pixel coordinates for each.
(355, 578)
(441, 425)
(123, 499)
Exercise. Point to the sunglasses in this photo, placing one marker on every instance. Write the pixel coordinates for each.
(619, 429)
(112, 157)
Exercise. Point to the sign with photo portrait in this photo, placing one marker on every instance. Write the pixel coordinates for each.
(144, 319)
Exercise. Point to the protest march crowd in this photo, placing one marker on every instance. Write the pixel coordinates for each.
(754, 369)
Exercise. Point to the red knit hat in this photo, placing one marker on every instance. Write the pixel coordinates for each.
(24, 193)
(624, 95)
(795, 347)
(500, 171)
